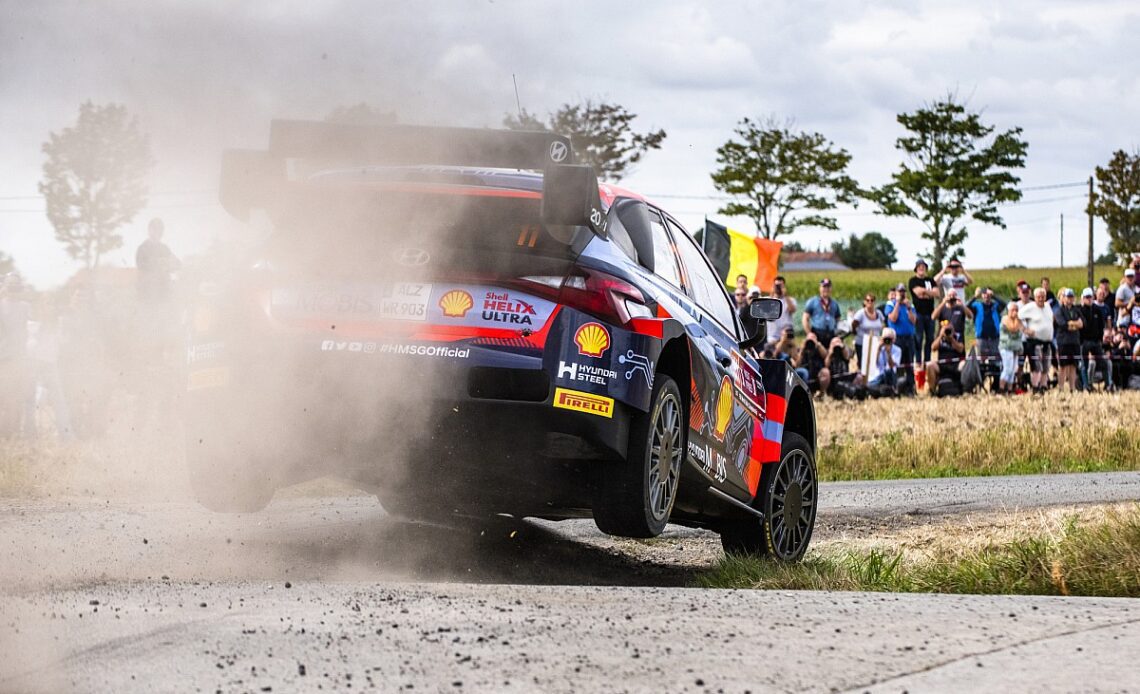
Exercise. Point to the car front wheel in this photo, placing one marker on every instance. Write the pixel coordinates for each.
(636, 495)
(789, 495)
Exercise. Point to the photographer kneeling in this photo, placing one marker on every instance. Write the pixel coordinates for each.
(888, 358)
(946, 360)
(845, 383)
(812, 360)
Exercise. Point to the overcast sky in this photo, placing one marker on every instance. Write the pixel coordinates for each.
(202, 76)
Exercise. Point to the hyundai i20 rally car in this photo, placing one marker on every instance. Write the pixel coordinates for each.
(468, 324)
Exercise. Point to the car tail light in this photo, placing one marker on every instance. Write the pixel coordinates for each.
(594, 292)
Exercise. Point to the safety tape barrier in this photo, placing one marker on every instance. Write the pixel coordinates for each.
(1021, 358)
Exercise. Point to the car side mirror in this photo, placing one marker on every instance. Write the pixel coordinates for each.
(755, 320)
(766, 309)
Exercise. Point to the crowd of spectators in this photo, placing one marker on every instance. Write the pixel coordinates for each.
(946, 335)
(64, 355)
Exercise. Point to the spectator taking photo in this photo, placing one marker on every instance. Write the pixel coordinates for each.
(955, 277)
(901, 319)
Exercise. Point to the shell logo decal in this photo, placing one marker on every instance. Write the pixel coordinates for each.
(456, 303)
(723, 408)
(592, 339)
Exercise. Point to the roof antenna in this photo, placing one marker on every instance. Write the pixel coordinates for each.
(518, 104)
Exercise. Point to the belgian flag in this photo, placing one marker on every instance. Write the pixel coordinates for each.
(735, 253)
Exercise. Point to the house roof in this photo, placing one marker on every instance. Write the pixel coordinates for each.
(811, 260)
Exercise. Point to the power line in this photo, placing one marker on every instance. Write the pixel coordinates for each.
(1054, 186)
(666, 196)
(157, 193)
(674, 196)
(1040, 202)
(189, 205)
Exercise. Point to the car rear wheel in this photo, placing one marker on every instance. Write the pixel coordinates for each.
(635, 496)
(789, 494)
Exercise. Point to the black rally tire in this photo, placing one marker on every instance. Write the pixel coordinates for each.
(789, 499)
(635, 496)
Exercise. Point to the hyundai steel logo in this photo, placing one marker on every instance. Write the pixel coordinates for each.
(558, 150)
(413, 257)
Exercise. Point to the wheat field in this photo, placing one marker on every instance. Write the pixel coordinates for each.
(849, 286)
(978, 435)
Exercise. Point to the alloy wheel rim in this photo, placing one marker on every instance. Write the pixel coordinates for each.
(665, 454)
(792, 506)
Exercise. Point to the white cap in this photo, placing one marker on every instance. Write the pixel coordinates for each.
(888, 332)
(1129, 272)
(1087, 291)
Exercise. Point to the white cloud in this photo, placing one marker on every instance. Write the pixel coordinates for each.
(207, 75)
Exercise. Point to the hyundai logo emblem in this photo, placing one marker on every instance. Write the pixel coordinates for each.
(558, 150)
(413, 257)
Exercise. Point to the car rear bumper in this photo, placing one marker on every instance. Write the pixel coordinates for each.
(505, 433)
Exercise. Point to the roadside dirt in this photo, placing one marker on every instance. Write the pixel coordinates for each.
(323, 588)
(326, 531)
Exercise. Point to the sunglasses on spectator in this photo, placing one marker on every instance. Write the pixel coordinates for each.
(869, 299)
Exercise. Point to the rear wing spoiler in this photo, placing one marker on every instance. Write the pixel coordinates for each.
(410, 145)
(253, 178)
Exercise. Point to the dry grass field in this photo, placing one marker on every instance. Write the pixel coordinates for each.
(875, 439)
(1077, 551)
(978, 435)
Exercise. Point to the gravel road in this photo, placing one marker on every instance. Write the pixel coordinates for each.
(328, 593)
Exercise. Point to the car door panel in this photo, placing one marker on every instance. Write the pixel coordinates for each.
(727, 384)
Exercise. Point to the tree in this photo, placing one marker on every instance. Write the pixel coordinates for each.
(361, 114)
(793, 247)
(602, 135)
(779, 174)
(1107, 258)
(1117, 202)
(93, 179)
(872, 250)
(951, 174)
(7, 265)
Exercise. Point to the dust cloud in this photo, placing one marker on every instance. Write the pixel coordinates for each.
(251, 372)
(151, 422)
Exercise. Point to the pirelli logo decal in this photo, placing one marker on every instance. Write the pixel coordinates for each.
(584, 402)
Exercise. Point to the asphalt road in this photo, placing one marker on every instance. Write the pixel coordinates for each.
(328, 593)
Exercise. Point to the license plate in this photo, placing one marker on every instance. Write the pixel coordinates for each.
(406, 301)
(201, 379)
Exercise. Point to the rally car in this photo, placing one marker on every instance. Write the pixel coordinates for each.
(468, 324)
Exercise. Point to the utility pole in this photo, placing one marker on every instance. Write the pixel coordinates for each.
(1062, 239)
(1090, 212)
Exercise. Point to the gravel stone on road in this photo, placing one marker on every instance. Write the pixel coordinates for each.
(323, 593)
